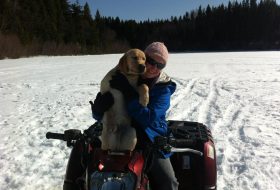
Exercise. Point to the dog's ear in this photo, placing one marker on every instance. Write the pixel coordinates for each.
(123, 66)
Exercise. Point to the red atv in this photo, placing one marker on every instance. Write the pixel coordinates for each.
(194, 158)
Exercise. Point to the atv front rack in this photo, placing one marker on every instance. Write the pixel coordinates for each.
(188, 134)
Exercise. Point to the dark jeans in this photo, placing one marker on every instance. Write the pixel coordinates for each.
(161, 174)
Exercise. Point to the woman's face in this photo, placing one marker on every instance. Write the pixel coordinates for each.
(153, 68)
(151, 71)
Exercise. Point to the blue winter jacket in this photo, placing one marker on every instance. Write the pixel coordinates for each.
(152, 119)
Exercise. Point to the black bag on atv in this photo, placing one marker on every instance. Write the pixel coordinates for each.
(193, 171)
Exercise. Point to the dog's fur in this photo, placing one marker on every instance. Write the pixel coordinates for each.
(118, 134)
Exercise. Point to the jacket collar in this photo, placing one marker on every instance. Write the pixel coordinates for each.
(163, 78)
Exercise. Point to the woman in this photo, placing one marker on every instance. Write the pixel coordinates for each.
(149, 121)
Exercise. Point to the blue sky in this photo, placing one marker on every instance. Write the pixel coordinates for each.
(147, 9)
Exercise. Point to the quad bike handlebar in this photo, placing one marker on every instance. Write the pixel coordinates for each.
(58, 136)
(71, 135)
(173, 149)
(94, 131)
(169, 145)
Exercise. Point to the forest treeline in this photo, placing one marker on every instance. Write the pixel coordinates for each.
(56, 27)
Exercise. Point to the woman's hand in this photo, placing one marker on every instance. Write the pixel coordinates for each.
(102, 103)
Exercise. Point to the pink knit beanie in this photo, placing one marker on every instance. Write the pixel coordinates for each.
(157, 51)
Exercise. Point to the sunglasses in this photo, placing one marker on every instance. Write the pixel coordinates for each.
(152, 62)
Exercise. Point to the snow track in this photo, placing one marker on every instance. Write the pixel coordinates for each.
(235, 94)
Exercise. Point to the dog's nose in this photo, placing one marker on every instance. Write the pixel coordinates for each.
(142, 68)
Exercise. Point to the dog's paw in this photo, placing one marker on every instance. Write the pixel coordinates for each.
(143, 91)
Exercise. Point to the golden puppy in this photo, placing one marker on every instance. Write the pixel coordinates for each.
(118, 134)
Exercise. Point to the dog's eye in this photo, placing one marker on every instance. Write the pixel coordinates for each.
(135, 58)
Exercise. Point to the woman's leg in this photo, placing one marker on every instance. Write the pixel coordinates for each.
(161, 175)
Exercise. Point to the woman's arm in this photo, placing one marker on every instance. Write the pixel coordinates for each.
(153, 115)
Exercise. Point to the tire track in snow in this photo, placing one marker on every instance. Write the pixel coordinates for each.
(223, 131)
(234, 155)
(204, 114)
(232, 158)
(182, 94)
(237, 141)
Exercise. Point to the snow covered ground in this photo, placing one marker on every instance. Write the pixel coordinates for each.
(237, 95)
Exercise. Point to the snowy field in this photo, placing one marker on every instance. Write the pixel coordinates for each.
(237, 95)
